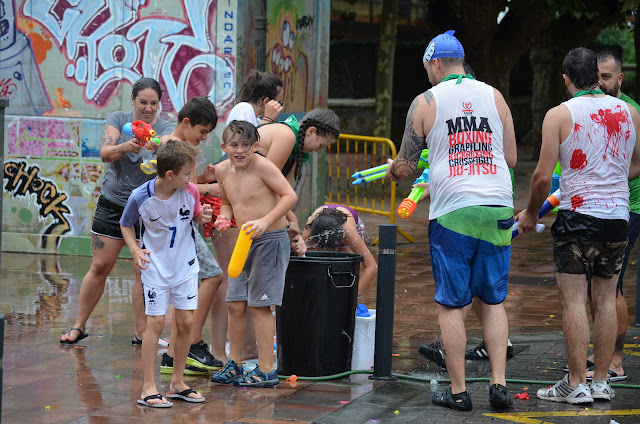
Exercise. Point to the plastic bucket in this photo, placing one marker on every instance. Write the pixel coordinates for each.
(315, 324)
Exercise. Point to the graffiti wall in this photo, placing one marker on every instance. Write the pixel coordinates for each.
(296, 51)
(65, 65)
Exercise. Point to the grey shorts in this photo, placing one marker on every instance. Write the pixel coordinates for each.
(208, 265)
(261, 282)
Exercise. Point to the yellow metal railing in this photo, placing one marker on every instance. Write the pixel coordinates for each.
(354, 153)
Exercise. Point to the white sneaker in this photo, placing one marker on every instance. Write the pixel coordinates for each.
(563, 392)
(601, 389)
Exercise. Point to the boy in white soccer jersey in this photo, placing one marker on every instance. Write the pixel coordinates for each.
(166, 254)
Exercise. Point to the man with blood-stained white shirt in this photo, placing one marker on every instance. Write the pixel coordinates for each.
(594, 137)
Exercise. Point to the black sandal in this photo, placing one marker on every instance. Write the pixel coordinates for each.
(449, 400)
(81, 335)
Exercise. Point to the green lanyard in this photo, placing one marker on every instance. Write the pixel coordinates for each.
(457, 76)
(589, 91)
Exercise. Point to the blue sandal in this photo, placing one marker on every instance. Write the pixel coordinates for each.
(257, 378)
(228, 374)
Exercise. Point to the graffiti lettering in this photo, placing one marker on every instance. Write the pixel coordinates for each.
(106, 42)
(7, 88)
(23, 180)
(228, 48)
(305, 22)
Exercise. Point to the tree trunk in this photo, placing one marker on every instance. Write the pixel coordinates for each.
(384, 68)
(544, 84)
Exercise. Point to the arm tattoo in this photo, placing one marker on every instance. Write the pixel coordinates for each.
(107, 139)
(411, 146)
(428, 96)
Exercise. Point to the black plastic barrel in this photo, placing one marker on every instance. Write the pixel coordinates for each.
(314, 325)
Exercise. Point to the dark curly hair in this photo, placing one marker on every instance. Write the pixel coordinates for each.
(326, 229)
(325, 121)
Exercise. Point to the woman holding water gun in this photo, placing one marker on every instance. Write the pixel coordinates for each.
(123, 155)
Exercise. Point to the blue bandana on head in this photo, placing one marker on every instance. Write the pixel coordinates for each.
(443, 45)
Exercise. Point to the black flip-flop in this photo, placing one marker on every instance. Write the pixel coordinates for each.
(81, 336)
(184, 395)
(612, 375)
(146, 400)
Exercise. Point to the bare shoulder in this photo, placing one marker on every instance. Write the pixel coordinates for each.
(634, 114)
(558, 114)
(222, 169)
(264, 165)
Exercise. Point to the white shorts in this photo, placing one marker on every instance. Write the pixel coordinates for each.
(183, 296)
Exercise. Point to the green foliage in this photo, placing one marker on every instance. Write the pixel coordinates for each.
(619, 35)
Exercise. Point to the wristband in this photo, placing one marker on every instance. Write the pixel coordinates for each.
(207, 192)
(269, 119)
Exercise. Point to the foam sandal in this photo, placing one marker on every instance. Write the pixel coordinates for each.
(612, 375)
(257, 378)
(447, 399)
(146, 400)
(81, 336)
(184, 395)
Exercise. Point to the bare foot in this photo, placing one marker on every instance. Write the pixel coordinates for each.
(155, 401)
(181, 387)
(617, 370)
(74, 335)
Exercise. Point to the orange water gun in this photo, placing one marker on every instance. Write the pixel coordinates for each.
(410, 203)
(240, 252)
(142, 131)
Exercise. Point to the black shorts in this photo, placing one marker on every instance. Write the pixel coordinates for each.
(583, 244)
(106, 221)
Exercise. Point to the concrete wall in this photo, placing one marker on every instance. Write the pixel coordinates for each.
(65, 66)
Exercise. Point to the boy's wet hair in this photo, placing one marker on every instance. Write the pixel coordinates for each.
(327, 230)
(200, 111)
(325, 121)
(245, 130)
(144, 83)
(258, 86)
(581, 66)
(174, 155)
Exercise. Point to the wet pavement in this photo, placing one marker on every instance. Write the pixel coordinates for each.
(99, 380)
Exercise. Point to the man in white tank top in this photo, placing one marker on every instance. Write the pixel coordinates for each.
(594, 137)
(468, 129)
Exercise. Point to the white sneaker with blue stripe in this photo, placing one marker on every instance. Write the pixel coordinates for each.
(563, 392)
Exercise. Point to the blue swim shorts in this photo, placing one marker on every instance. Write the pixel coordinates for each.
(470, 253)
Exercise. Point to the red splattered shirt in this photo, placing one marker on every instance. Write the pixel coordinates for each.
(595, 158)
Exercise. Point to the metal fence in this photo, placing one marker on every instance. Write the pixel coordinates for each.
(354, 153)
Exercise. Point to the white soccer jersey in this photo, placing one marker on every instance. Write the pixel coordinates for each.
(166, 231)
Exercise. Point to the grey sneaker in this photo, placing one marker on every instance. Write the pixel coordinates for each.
(601, 389)
(563, 392)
